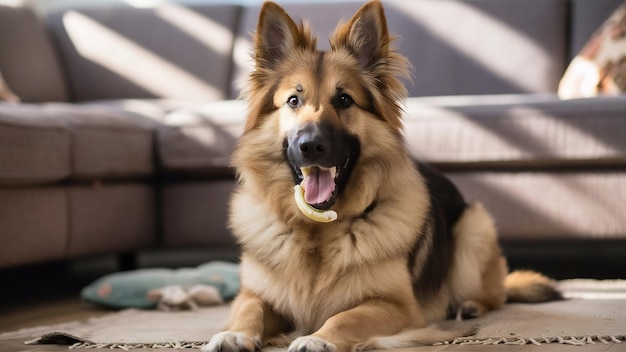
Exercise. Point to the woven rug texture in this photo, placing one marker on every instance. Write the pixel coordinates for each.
(594, 312)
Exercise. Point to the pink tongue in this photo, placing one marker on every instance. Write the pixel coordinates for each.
(318, 186)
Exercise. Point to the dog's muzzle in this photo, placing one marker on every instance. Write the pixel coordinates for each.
(321, 157)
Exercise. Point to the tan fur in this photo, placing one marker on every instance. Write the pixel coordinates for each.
(336, 286)
(529, 286)
(479, 269)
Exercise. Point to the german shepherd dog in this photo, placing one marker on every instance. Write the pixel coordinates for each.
(370, 250)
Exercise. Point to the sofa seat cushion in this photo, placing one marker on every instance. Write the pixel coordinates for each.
(44, 143)
(35, 145)
(200, 139)
(517, 131)
(108, 142)
(458, 132)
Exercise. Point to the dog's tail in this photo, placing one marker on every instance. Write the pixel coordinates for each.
(420, 337)
(530, 287)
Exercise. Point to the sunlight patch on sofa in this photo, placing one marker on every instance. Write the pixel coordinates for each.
(470, 39)
(567, 140)
(578, 209)
(203, 29)
(131, 61)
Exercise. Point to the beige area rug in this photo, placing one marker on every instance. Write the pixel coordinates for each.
(594, 312)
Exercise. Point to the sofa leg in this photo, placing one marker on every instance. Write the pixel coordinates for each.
(127, 261)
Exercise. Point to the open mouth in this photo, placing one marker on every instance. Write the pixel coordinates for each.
(320, 184)
(321, 158)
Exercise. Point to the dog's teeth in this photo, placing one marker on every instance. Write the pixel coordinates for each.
(333, 172)
(305, 171)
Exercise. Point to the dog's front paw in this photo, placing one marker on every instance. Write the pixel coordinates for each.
(311, 344)
(231, 341)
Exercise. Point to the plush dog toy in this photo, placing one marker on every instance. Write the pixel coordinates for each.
(176, 297)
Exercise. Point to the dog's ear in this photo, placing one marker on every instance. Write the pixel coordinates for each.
(277, 34)
(365, 35)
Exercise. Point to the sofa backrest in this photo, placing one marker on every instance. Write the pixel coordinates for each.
(482, 46)
(110, 49)
(28, 61)
(455, 46)
(116, 50)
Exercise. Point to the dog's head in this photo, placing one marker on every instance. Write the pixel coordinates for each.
(330, 111)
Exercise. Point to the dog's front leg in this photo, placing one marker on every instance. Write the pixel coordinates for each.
(344, 331)
(245, 328)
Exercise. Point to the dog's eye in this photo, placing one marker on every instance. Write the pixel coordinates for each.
(344, 101)
(293, 101)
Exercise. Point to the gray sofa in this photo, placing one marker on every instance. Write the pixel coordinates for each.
(129, 115)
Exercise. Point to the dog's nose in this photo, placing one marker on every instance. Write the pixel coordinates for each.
(313, 143)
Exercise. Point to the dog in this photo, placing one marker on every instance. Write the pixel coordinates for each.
(346, 243)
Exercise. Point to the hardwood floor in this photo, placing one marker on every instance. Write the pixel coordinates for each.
(55, 311)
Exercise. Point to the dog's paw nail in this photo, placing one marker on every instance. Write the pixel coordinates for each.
(230, 341)
(311, 344)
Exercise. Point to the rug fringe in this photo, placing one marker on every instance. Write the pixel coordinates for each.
(518, 340)
(511, 340)
(130, 346)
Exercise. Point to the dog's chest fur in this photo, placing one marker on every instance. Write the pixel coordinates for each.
(309, 284)
(310, 273)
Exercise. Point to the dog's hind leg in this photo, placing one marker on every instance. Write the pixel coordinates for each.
(480, 281)
(479, 269)
(492, 292)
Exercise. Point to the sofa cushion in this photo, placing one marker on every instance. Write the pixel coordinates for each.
(115, 50)
(513, 131)
(520, 50)
(452, 132)
(201, 139)
(35, 145)
(51, 142)
(28, 59)
(108, 142)
(481, 46)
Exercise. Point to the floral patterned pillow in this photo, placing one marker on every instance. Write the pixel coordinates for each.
(600, 67)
